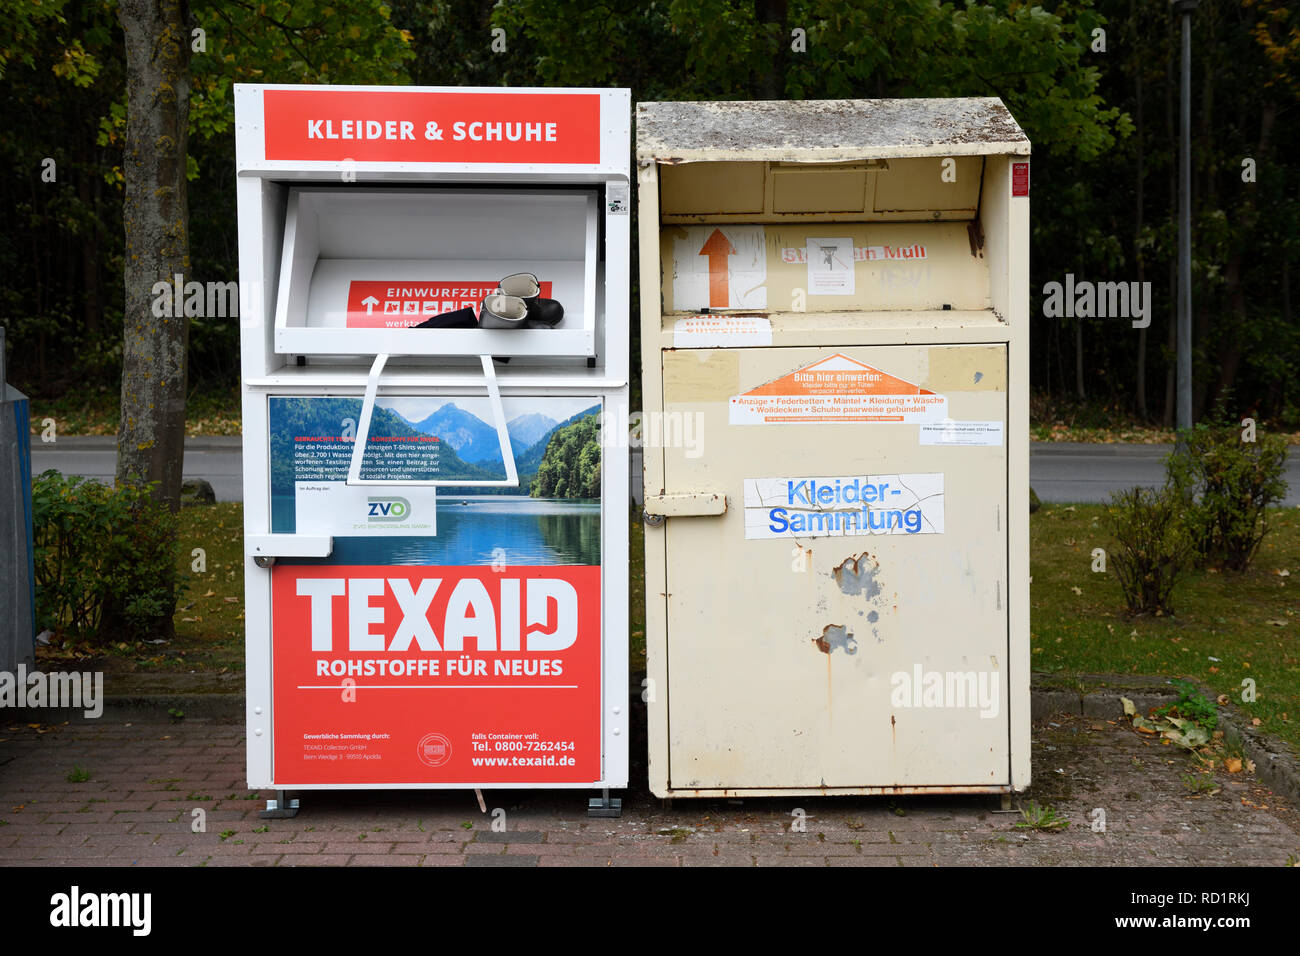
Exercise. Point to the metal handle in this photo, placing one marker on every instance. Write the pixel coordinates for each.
(363, 435)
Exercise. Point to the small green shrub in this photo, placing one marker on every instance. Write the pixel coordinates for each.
(1191, 705)
(1036, 817)
(1151, 547)
(1226, 485)
(105, 559)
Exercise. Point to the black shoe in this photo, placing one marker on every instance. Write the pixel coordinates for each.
(542, 313)
(503, 312)
(457, 319)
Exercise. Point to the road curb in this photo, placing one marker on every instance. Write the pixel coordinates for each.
(1276, 762)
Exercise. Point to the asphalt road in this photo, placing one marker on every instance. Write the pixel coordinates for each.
(1064, 471)
(1058, 471)
(218, 459)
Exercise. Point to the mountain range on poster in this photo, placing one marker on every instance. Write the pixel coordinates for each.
(458, 429)
(475, 441)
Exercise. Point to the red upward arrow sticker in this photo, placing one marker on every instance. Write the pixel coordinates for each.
(717, 248)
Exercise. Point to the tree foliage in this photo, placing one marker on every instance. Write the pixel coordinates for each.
(1094, 84)
(571, 466)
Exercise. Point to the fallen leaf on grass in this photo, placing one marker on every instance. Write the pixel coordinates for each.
(1232, 764)
(1256, 721)
(1276, 622)
(1077, 590)
(231, 600)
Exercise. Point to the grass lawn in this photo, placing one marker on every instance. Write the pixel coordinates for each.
(1228, 627)
(210, 616)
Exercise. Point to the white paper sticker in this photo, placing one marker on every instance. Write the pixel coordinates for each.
(830, 266)
(961, 433)
(720, 267)
(617, 199)
(721, 331)
(843, 506)
(334, 507)
(835, 391)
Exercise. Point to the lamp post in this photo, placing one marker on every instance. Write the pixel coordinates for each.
(1184, 9)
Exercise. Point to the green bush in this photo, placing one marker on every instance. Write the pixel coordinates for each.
(1226, 485)
(1191, 705)
(105, 559)
(1151, 547)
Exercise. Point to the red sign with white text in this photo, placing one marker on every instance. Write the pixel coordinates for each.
(401, 674)
(411, 126)
(1020, 179)
(382, 304)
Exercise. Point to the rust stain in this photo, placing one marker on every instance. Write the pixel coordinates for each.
(836, 636)
(830, 710)
(896, 788)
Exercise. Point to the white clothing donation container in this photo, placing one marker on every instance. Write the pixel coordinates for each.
(429, 520)
(834, 307)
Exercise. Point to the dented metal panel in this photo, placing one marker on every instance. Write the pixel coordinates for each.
(824, 659)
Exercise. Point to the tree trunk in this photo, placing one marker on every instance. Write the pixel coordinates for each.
(151, 437)
(1078, 360)
(771, 17)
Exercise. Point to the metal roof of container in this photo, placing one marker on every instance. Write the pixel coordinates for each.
(827, 131)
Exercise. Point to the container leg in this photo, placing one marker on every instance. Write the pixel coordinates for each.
(281, 808)
(1006, 801)
(605, 805)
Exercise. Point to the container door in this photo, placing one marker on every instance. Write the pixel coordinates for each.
(844, 622)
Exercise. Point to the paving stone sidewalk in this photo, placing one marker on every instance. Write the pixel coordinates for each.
(146, 777)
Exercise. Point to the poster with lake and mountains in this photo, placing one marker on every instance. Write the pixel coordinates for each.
(552, 517)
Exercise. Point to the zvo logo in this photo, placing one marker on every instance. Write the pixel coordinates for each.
(388, 509)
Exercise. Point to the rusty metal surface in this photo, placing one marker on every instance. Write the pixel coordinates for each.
(721, 793)
(825, 130)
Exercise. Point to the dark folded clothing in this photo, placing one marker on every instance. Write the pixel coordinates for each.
(459, 319)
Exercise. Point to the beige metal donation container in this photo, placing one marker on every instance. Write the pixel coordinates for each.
(837, 454)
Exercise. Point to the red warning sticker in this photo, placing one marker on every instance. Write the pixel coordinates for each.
(386, 304)
(1020, 179)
